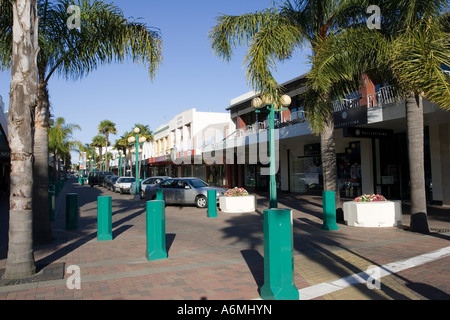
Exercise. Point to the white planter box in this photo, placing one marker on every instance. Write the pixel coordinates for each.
(373, 214)
(237, 204)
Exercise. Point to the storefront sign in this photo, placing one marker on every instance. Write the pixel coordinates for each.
(367, 133)
(350, 117)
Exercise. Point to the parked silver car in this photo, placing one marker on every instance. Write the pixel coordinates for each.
(183, 191)
(145, 183)
(123, 184)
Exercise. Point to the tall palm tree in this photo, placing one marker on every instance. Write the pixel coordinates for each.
(123, 144)
(107, 127)
(105, 36)
(61, 142)
(273, 35)
(20, 261)
(90, 153)
(410, 51)
(99, 142)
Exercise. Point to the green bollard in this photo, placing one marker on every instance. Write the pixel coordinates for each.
(160, 195)
(51, 205)
(212, 204)
(104, 219)
(156, 231)
(329, 211)
(72, 211)
(278, 257)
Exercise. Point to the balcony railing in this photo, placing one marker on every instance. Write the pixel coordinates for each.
(345, 104)
(384, 96)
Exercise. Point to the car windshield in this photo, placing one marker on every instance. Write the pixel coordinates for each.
(127, 180)
(197, 183)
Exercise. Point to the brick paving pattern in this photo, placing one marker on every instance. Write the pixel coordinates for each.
(222, 258)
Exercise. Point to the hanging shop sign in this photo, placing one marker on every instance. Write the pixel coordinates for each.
(354, 116)
(367, 133)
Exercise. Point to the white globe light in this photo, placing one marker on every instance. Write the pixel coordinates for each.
(257, 103)
(137, 130)
(142, 139)
(285, 100)
(267, 100)
(131, 139)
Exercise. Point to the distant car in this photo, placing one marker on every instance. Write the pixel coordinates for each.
(183, 191)
(123, 184)
(97, 177)
(145, 183)
(110, 182)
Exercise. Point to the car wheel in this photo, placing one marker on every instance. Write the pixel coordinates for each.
(201, 202)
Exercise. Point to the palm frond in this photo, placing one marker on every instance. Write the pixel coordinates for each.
(231, 31)
(272, 44)
(418, 58)
(105, 36)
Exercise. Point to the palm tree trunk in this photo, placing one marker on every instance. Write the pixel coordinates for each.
(41, 220)
(414, 118)
(329, 164)
(20, 261)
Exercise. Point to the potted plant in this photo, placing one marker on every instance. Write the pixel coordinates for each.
(371, 211)
(237, 200)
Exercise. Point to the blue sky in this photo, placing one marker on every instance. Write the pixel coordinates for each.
(189, 77)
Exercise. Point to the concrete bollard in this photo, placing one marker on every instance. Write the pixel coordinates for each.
(212, 204)
(51, 205)
(104, 219)
(329, 211)
(156, 230)
(72, 211)
(278, 257)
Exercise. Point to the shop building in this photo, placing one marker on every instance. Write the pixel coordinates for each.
(371, 145)
(178, 145)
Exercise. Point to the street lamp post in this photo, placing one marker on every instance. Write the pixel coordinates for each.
(137, 142)
(278, 245)
(265, 104)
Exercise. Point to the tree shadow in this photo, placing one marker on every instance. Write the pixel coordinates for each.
(255, 263)
(170, 238)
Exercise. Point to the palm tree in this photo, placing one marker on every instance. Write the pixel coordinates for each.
(61, 142)
(273, 35)
(90, 153)
(123, 144)
(106, 127)
(99, 142)
(105, 36)
(410, 51)
(23, 96)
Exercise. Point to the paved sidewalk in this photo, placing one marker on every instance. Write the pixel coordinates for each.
(222, 258)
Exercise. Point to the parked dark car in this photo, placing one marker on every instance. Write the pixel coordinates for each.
(110, 183)
(96, 177)
(183, 191)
